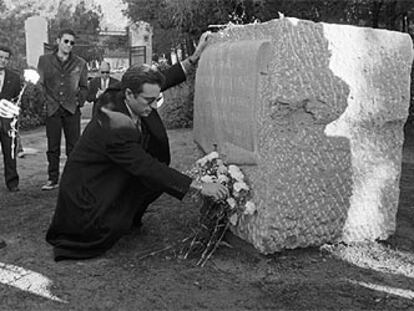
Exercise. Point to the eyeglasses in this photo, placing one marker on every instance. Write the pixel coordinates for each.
(66, 41)
(154, 102)
(104, 71)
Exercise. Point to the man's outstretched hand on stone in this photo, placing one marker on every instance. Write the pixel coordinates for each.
(202, 44)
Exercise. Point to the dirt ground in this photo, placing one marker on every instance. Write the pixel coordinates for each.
(359, 277)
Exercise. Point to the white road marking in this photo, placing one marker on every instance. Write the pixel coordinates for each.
(405, 293)
(27, 280)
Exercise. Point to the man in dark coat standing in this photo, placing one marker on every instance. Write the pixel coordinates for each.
(64, 81)
(98, 85)
(9, 89)
(119, 166)
(10, 86)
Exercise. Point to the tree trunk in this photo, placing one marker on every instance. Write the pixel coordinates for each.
(376, 9)
(391, 15)
(405, 22)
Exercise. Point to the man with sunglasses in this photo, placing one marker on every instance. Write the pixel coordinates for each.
(120, 166)
(98, 85)
(64, 80)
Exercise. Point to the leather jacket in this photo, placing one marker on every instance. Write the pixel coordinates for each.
(64, 83)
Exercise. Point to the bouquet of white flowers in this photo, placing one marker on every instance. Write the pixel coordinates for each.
(217, 217)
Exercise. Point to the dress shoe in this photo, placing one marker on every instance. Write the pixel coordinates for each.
(14, 189)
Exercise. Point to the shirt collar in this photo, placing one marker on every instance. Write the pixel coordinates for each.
(59, 60)
(134, 117)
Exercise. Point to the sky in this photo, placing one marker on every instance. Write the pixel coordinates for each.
(112, 12)
(111, 9)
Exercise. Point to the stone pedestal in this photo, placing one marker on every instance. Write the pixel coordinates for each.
(314, 112)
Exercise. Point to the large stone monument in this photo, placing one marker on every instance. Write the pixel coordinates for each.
(314, 112)
(36, 35)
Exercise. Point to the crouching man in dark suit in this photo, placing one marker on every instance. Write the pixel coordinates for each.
(119, 166)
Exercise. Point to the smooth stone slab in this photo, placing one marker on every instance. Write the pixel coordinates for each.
(36, 35)
(227, 87)
(324, 126)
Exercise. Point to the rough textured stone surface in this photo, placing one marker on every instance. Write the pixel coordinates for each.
(319, 110)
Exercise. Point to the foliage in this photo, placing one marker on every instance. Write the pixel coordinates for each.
(85, 21)
(82, 19)
(181, 22)
(12, 34)
(388, 14)
(178, 110)
(33, 113)
(178, 23)
(152, 12)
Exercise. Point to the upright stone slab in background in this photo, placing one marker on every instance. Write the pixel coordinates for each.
(36, 35)
(140, 40)
(319, 108)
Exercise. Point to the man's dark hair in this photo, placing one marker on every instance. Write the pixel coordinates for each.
(137, 75)
(66, 31)
(6, 49)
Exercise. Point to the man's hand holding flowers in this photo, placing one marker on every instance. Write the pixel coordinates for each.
(8, 109)
(211, 189)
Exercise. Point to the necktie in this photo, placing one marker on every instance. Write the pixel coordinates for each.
(138, 125)
(145, 136)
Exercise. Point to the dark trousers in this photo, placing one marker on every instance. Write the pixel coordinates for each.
(70, 123)
(10, 171)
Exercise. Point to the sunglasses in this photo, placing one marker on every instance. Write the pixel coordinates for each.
(66, 41)
(104, 71)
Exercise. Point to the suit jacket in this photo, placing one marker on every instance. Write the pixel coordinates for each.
(64, 84)
(10, 90)
(109, 174)
(95, 84)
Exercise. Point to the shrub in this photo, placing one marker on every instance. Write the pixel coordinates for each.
(177, 112)
(33, 113)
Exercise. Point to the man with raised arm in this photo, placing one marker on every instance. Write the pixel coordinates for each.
(120, 166)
